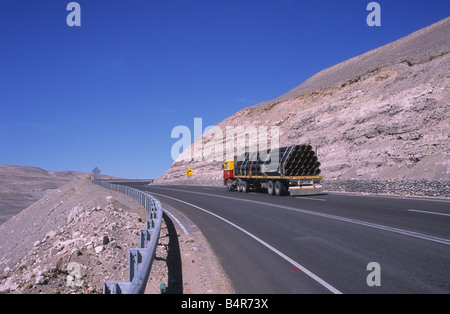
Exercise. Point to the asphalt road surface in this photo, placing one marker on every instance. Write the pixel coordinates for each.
(322, 243)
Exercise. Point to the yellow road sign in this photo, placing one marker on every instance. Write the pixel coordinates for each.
(189, 172)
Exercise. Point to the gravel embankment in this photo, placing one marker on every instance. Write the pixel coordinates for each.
(76, 238)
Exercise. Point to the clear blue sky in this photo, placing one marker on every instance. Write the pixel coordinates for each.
(109, 93)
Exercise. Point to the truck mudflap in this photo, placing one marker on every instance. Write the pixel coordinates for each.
(305, 190)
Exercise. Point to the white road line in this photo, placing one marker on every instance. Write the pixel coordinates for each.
(311, 198)
(287, 258)
(426, 212)
(349, 220)
(176, 220)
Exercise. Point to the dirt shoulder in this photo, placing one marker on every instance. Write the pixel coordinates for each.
(185, 261)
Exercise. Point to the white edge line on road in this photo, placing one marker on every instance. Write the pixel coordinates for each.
(349, 220)
(311, 198)
(176, 220)
(287, 258)
(426, 212)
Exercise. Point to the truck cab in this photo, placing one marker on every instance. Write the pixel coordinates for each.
(228, 171)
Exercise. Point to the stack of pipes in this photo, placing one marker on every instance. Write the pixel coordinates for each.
(297, 160)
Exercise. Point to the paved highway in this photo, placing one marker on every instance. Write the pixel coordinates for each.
(323, 243)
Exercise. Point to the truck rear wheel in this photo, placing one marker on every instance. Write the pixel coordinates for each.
(279, 188)
(270, 187)
(239, 185)
(244, 186)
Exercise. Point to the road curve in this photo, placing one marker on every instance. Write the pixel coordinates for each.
(323, 243)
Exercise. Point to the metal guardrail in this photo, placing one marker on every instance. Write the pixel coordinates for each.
(140, 259)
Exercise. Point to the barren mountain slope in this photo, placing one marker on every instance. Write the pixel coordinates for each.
(384, 114)
(419, 47)
(78, 223)
(21, 186)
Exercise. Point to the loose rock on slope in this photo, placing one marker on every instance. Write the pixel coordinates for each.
(71, 241)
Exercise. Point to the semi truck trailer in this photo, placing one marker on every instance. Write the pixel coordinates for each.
(292, 170)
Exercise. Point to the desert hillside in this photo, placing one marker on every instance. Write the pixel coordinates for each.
(381, 115)
(77, 224)
(21, 186)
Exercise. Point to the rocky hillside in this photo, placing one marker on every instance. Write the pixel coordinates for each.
(77, 237)
(382, 115)
(79, 225)
(21, 186)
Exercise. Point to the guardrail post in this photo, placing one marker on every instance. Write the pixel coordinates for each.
(150, 224)
(134, 258)
(145, 237)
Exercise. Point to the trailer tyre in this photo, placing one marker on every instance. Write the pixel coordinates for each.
(279, 188)
(244, 187)
(239, 186)
(270, 187)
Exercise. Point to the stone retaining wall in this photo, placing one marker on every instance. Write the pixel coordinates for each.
(414, 187)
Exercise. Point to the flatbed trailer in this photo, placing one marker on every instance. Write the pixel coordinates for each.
(239, 175)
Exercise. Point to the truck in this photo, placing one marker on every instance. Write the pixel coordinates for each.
(292, 170)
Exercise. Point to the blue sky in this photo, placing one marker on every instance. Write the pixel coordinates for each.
(109, 93)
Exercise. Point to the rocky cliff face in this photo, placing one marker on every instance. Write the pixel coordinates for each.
(384, 114)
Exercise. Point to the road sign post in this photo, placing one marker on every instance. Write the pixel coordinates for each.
(96, 173)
